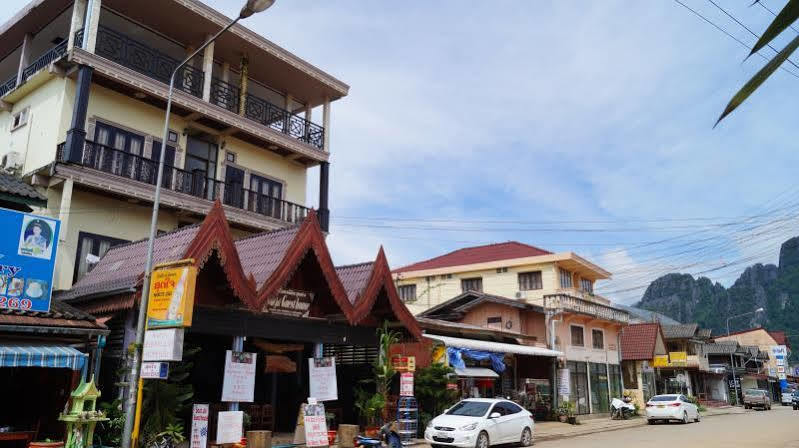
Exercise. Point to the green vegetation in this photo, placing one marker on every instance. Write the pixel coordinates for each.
(432, 395)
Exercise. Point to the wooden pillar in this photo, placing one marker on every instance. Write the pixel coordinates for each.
(243, 73)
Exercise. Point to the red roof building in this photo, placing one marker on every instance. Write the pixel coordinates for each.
(641, 342)
(477, 254)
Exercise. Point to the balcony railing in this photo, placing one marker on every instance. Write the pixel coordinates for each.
(8, 85)
(132, 166)
(281, 120)
(225, 95)
(44, 60)
(582, 306)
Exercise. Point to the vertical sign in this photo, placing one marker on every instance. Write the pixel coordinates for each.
(564, 382)
(199, 426)
(27, 260)
(229, 426)
(171, 301)
(322, 373)
(315, 424)
(239, 381)
(406, 384)
(780, 353)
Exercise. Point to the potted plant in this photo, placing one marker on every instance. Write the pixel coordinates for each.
(566, 413)
(47, 443)
(330, 418)
(370, 407)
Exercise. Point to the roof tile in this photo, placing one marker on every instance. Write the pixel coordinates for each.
(682, 331)
(13, 186)
(355, 277)
(638, 341)
(261, 254)
(477, 254)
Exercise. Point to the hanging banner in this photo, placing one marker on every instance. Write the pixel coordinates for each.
(406, 384)
(564, 382)
(171, 302)
(27, 260)
(315, 424)
(239, 381)
(229, 426)
(199, 426)
(165, 344)
(322, 374)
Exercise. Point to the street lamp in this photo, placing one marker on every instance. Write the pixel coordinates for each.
(732, 363)
(249, 8)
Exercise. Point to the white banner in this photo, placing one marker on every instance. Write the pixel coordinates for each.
(406, 384)
(564, 382)
(163, 345)
(239, 382)
(229, 427)
(322, 373)
(315, 425)
(199, 426)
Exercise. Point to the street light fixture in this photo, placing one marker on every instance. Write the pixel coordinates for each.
(732, 363)
(250, 8)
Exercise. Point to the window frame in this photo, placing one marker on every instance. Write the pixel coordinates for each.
(471, 279)
(590, 283)
(20, 119)
(96, 238)
(571, 335)
(532, 284)
(562, 274)
(593, 343)
(412, 287)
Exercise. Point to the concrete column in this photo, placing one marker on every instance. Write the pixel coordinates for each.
(226, 72)
(208, 69)
(308, 114)
(91, 23)
(78, 17)
(63, 210)
(287, 119)
(24, 56)
(326, 123)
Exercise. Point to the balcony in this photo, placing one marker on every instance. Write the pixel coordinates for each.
(570, 303)
(51, 55)
(144, 170)
(143, 59)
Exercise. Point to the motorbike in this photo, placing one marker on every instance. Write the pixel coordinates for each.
(621, 409)
(388, 434)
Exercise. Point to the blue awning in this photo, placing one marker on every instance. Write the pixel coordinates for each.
(55, 356)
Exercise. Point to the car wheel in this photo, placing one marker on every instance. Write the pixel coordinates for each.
(650, 422)
(527, 437)
(482, 441)
(684, 417)
(698, 417)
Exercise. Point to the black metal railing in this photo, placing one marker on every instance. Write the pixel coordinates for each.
(147, 61)
(8, 85)
(281, 120)
(133, 166)
(44, 60)
(78, 42)
(225, 95)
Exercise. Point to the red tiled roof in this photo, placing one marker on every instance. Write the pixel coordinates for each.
(261, 254)
(780, 337)
(355, 277)
(638, 341)
(477, 254)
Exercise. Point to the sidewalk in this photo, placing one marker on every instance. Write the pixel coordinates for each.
(556, 430)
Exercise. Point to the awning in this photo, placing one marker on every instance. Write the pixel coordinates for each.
(476, 372)
(55, 356)
(491, 346)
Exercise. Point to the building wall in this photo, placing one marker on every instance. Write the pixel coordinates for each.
(760, 338)
(609, 354)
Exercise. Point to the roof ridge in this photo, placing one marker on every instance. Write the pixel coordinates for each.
(171, 232)
(269, 232)
(482, 246)
(345, 266)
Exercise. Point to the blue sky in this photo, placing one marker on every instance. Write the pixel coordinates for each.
(582, 126)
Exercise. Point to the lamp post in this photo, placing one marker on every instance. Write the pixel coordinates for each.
(732, 364)
(250, 8)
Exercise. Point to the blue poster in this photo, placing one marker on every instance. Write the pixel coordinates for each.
(27, 260)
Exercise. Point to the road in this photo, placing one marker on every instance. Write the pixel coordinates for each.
(757, 429)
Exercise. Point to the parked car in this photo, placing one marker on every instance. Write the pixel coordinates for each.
(666, 408)
(796, 400)
(757, 398)
(787, 398)
(480, 423)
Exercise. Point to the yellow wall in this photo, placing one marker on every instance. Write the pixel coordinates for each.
(270, 165)
(37, 140)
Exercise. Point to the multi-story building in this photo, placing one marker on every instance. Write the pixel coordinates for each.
(82, 109)
(583, 325)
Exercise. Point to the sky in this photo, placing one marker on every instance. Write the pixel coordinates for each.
(571, 126)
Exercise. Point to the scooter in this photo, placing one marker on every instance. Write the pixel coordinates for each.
(621, 409)
(388, 434)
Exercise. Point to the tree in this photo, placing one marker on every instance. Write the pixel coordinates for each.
(786, 17)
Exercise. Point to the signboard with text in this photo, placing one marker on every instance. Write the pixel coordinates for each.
(780, 354)
(322, 373)
(290, 302)
(27, 260)
(155, 370)
(406, 384)
(564, 382)
(239, 381)
(199, 426)
(402, 363)
(164, 344)
(315, 424)
(229, 426)
(171, 301)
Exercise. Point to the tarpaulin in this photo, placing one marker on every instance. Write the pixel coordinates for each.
(455, 357)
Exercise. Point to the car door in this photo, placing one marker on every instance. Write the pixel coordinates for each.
(494, 425)
(690, 408)
(516, 421)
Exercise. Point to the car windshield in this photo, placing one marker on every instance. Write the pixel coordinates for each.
(753, 392)
(469, 409)
(664, 398)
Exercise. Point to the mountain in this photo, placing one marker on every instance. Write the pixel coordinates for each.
(774, 288)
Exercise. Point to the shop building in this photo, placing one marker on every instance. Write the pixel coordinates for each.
(742, 366)
(683, 370)
(641, 343)
(83, 87)
(239, 284)
(773, 344)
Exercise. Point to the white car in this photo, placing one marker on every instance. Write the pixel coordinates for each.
(787, 398)
(671, 407)
(480, 423)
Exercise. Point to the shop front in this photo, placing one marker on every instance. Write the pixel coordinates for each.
(274, 301)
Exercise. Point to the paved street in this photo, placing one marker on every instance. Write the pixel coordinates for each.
(775, 428)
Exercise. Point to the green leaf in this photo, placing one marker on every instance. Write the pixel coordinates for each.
(788, 15)
(759, 78)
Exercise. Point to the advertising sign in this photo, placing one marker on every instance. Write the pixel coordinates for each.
(564, 382)
(27, 258)
(165, 344)
(315, 424)
(402, 363)
(199, 426)
(171, 297)
(229, 426)
(155, 370)
(239, 381)
(322, 374)
(290, 302)
(678, 359)
(660, 361)
(406, 384)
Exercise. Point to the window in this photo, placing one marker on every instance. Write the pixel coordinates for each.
(230, 157)
(430, 278)
(172, 137)
(407, 293)
(91, 248)
(446, 276)
(502, 270)
(586, 285)
(598, 338)
(565, 278)
(511, 408)
(472, 284)
(494, 321)
(578, 339)
(20, 119)
(530, 280)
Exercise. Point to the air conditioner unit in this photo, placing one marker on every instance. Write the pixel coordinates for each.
(12, 159)
(521, 294)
